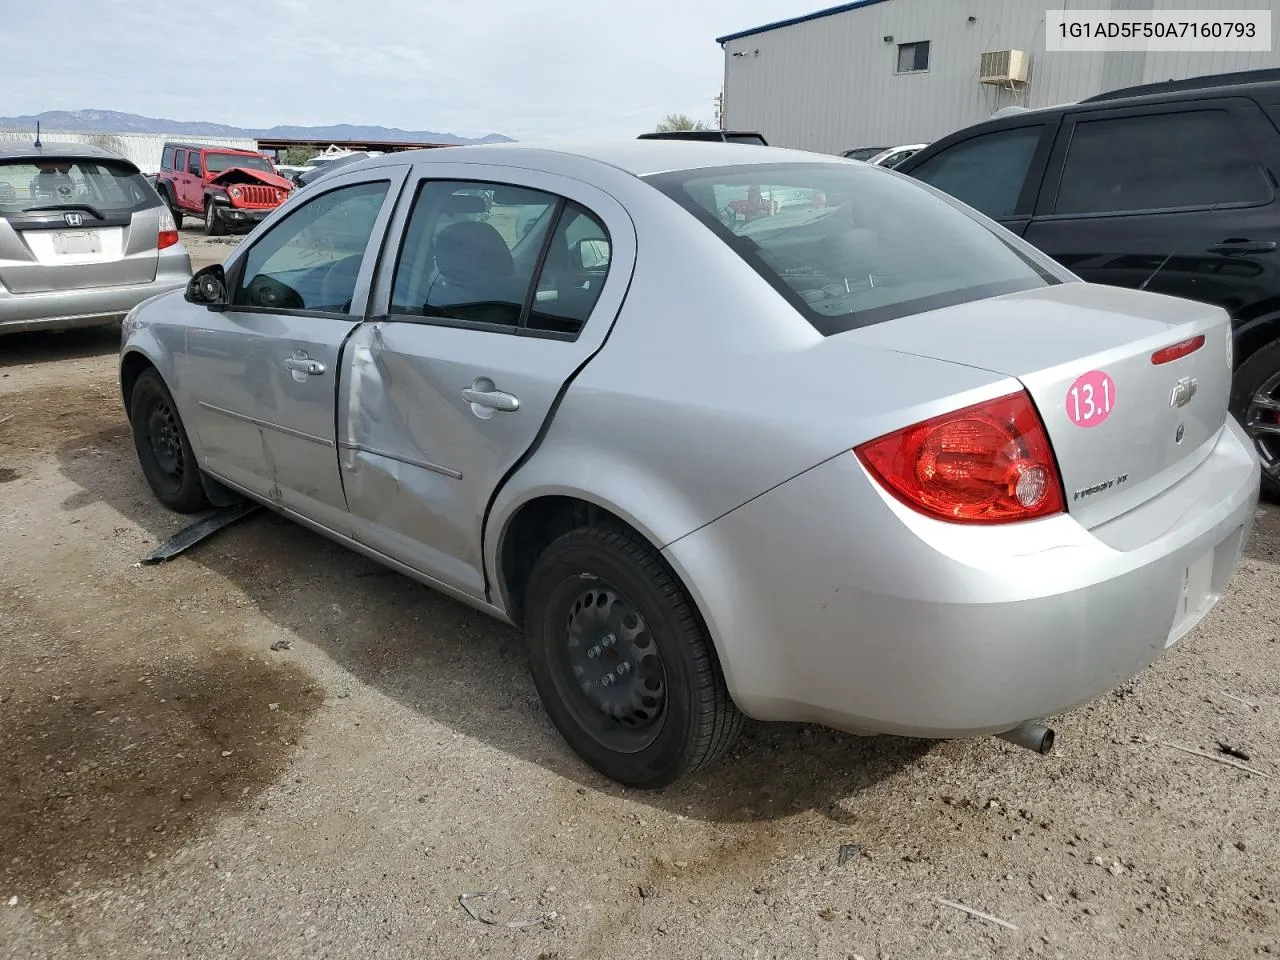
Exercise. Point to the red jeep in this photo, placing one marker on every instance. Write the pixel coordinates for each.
(224, 186)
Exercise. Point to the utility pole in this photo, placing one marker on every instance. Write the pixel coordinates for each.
(720, 110)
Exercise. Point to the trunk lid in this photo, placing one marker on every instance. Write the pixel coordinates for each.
(71, 223)
(1123, 428)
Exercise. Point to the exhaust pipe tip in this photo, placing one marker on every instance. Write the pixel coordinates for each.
(1031, 736)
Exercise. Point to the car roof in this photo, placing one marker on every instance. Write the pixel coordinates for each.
(61, 151)
(638, 157)
(210, 146)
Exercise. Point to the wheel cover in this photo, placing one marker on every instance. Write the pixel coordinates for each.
(164, 438)
(1262, 422)
(612, 676)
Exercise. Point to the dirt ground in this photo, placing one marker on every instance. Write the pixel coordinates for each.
(271, 747)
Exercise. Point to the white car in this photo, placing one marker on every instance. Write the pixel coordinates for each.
(895, 155)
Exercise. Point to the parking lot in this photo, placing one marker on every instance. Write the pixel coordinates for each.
(271, 747)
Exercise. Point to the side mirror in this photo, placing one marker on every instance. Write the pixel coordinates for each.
(208, 287)
(591, 254)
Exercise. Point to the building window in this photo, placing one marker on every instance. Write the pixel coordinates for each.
(913, 56)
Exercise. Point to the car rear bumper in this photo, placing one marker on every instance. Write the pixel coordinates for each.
(93, 306)
(831, 602)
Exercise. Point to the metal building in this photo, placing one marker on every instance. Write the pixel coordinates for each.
(890, 72)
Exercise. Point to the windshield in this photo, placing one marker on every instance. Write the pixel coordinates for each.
(217, 162)
(850, 245)
(104, 187)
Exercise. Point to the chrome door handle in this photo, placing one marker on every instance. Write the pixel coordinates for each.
(313, 368)
(492, 399)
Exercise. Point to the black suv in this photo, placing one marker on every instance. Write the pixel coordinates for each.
(1169, 187)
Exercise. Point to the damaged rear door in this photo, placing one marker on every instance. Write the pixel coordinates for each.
(262, 371)
(506, 283)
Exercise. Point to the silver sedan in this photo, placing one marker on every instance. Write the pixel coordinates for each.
(84, 238)
(861, 457)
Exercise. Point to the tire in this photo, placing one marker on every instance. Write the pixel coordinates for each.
(213, 227)
(605, 589)
(164, 452)
(1256, 383)
(175, 210)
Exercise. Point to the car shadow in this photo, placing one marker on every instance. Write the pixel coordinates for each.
(18, 349)
(460, 667)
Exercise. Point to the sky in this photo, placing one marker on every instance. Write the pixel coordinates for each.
(530, 69)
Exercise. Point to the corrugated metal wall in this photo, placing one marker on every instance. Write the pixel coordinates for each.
(830, 84)
(144, 149)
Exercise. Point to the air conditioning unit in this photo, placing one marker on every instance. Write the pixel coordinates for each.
(1004, 66)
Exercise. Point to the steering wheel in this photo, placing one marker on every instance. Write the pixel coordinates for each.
(269, 293)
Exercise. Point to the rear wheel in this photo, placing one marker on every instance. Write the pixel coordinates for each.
(164, 452)
(213, 226)
(1255, 401)
(622, 660)
(176, 211)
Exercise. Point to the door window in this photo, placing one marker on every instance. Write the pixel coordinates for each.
(987, 172)
(310, 260)
(193, 163)
(1160, 161)
(166, 159)
(180, 161)
(470, 252)
(573, 273)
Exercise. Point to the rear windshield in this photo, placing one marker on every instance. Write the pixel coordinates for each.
(217, 162)
(851, 245)
(51, 184)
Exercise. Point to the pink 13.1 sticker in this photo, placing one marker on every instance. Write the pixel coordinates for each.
(1091, 399)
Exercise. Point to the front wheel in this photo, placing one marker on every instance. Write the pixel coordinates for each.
(213, 226)
(622, 660)
(164, 452)
(1255, 401)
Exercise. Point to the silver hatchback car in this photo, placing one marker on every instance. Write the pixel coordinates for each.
(84, 238)
(863, 458)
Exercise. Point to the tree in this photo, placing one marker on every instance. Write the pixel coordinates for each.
(297, 156)
(673, 122)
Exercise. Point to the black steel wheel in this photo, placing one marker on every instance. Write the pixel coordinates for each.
(1255, 401)
(622, 660)
(164, 452)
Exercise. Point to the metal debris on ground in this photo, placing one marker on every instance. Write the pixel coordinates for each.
(282, 645)
(848, 852)
(1231, 751)
(188, 537)
(1220, 759)
(464, 902)
(977, 913)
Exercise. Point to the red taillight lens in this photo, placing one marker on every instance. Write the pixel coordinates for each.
(989, 463)
(166, 238)
(1177, 350)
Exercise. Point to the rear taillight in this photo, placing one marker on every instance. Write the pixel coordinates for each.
(1176, 351)
(168, 234)
(989, 463)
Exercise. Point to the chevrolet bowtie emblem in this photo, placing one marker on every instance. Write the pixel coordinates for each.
(1183, 391)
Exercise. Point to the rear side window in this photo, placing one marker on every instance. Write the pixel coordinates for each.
(1160, 161)
(471, 253)
(987, 172)
(93, 186)
(850, 245)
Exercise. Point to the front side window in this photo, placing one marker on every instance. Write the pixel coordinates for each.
(849, 245)
(913, 56)
(193, 163)
(217, 162)
(96, 186)
(1195, 158)
(310, 260)
(987, 172)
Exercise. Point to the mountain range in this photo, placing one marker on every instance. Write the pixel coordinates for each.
(111, 121)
